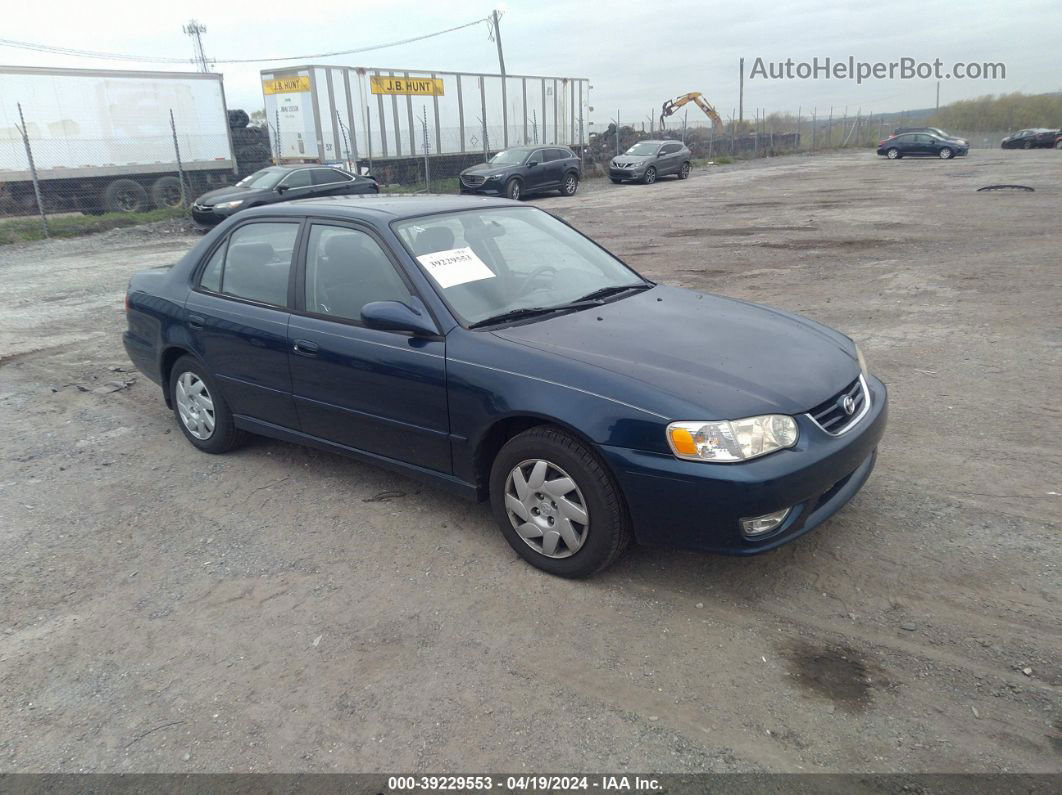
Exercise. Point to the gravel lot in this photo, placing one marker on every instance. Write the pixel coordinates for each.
(284, 609)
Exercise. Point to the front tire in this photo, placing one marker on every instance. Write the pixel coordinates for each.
(893, 154)
(201, 411)
(514, 189)
(650, 175)
(557, 505)
(1027, 145)
(684, 172)
(945, 153)
(570, 184)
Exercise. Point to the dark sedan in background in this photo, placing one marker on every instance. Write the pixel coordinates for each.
(647, 160)
(932, 131)
(921, 145)
(494, 350)
(279, 184)
(523, 170)
(1035, 138)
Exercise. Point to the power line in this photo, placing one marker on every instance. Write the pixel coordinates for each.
(25, 45)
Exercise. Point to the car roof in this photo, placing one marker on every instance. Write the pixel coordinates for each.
(380, 208)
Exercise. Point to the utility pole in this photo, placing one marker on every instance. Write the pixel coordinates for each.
(741, 89)
(495, 16)
(196, 31)
(497, 40)
(938, 95)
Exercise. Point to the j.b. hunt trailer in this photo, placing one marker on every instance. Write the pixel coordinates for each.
(340, 114)
(101, 140)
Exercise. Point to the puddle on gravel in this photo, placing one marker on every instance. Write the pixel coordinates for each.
(834, 672)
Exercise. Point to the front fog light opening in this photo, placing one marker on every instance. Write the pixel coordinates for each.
(755, 526)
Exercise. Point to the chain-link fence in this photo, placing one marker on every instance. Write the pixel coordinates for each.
(50, 169)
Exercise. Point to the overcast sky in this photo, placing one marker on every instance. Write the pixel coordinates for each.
(636, 53)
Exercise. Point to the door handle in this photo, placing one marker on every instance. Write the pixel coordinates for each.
(306, 348)
(195, 322)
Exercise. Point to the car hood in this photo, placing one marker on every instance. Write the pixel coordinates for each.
(229, 193)
(729, 358)
(486, 169)
(633, 158)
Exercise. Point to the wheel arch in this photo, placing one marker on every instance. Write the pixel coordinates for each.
(168, 358)
(505, 428)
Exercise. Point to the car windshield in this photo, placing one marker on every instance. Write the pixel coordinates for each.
(510, 157)
(491, 262)
(262, 180)
(643, 148)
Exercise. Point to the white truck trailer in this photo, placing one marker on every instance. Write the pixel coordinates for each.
(340, 114)
(101, 140)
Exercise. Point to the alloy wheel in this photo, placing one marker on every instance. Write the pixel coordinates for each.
(945, 153)
(650, 175)
(195, 406)
(569, 185)
(546, 508)
(893, 154)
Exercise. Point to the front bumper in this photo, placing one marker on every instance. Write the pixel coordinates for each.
(210, 216)
(699, 506)
(625, 173)
(493, 186)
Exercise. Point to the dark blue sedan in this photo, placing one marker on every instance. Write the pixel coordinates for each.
(492, 349)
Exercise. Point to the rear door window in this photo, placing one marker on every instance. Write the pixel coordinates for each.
(329, 176)
(254, 263)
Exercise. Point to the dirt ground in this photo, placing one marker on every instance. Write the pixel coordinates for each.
(284, 609)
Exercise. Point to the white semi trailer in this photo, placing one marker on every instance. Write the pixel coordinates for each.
(101, 140)
(341, 114)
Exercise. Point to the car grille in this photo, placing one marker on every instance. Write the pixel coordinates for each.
(473, 179)
(831, 414)
(624, 165)
(203, 208)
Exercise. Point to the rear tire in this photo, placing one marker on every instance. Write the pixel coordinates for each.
(514, 189)
(125, 196)
(584, 503)
(201, 411)
(684, 171)
(166, 192)
(570, 184)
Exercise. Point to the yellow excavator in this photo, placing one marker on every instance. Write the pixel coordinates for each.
(697, 99)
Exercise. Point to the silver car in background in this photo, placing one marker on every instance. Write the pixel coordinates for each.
(648, 160)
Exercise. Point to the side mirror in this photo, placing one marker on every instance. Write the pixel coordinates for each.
(281, 188)
(531, 163)
(397, 316)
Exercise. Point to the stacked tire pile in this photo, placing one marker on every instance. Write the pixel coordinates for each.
(250, 144)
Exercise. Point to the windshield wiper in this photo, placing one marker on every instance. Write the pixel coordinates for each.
(532, 311)
(605, 292)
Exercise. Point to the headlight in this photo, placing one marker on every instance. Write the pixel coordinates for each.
(496, 176)
(862, 362)
(228, 205)
(732, 440)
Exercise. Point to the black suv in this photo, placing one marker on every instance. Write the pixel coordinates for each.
(525, 169)
(278, 184)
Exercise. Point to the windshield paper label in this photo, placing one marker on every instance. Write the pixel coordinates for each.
(454, 267)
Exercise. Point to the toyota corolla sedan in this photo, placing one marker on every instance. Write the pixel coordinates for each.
(492, 349)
